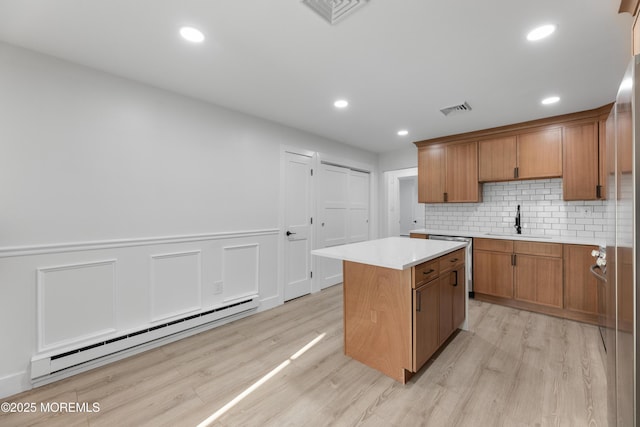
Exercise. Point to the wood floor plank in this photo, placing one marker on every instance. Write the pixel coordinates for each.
(512, 368)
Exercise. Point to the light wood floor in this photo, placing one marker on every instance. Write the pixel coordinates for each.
(513, 368)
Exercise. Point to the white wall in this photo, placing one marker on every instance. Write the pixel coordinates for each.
(399, 159)
(96, 168)
(392, 165)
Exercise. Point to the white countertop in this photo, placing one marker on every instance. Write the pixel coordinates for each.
(398, 253)
(514, 236)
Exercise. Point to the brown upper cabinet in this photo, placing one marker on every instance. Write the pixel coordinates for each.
(540, 154)
(497, 159)
(581, 162)
(448, 173)
(571, 146)
(524, 156)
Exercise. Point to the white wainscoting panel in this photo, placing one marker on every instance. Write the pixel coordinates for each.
(240, 271)
(176, 284)
(63, 297)
(75, 303)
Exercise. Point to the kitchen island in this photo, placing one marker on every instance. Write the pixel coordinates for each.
(403, 298)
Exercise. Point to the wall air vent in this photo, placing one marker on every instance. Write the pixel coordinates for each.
(334, 10)
(460, 108)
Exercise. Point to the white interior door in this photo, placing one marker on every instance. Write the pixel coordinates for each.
(358, 211)
(297, 230)
(334, 203)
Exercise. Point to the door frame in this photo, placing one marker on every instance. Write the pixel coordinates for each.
(392, 199)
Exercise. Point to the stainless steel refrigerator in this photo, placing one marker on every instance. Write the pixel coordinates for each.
(620, 321)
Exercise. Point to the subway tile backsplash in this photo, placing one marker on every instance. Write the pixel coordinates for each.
(542, 211)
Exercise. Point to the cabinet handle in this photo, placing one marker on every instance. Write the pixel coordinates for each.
(454, 260)
(513, 259)
(419, 302)
(598, 191)
(516, 172)
(446, 197)
(455, 283)
(428, 272)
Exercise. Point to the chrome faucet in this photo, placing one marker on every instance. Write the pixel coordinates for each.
(517, 226)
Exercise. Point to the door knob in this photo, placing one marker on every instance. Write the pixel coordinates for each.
(289, 233)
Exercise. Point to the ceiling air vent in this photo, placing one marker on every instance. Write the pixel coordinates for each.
(334, 10)
(460, 108)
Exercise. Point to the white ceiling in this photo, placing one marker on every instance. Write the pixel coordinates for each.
(397, 62)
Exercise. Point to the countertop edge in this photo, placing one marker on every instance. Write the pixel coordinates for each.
(522, 237)
(380, 263)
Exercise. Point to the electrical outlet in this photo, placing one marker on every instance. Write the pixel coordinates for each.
(217, 287)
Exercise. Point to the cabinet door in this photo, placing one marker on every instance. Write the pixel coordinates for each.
(446, 306)
(602, 158)
(426, 304)
(580, 162)
(580, 286)
(497, 159)
(459, 297)
(539, 154)
(493, 273)
(461, 182)
(431, 174)
(538, 280)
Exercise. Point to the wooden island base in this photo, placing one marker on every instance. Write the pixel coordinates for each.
(378, 318)
(394, 320)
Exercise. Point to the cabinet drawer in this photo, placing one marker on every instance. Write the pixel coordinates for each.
(425, 272)
(536, 248)
(451, 260)
(495, 245)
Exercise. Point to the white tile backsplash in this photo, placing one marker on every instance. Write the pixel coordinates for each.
(542, 211)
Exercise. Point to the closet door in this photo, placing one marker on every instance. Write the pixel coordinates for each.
(358, 207)
(333, 218)
(343, 217)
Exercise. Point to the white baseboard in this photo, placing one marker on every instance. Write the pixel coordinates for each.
(270, 302)
(14, 384)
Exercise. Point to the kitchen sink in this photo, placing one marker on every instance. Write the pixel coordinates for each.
(522, 236)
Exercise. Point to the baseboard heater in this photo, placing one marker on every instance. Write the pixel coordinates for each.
(44, 367)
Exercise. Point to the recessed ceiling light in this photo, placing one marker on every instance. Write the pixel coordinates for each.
(550, 100)
(403, 132)
(541, 32)
(192, 34)
(341, 103)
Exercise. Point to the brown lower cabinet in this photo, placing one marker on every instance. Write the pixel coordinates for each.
(459, 297)
(439, 305)
(581, 287)
(493, 267)
(538, 273)
(451, 305)
(550, 278)
(425, 320)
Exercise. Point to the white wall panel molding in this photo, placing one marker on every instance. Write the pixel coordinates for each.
(76, 303)
(176, 284)
(16, 251)
(240, 271)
